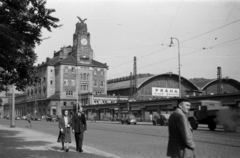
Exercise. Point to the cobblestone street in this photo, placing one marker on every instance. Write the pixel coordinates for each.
(144, 140)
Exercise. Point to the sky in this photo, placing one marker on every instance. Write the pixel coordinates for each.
(207, 30)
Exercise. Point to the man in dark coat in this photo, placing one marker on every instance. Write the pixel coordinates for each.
(79, 127)
(180, 144)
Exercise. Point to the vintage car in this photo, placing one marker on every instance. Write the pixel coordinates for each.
(129, 119)
(24, 117)
(17, 118)
(36, 118)
(52, 118)
(161, 119)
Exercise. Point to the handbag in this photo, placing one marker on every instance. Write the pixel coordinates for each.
(62, 132)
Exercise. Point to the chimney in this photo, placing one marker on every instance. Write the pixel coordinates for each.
(47, 59)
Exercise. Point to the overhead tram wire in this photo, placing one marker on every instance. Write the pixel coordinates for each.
(154, 67)
(211, 31)
(225, 42)
(172, 22)
(204, 48)
(182, 41)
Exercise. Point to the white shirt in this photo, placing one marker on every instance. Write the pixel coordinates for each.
(66, 120)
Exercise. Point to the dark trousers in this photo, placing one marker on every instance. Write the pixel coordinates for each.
(79, 140)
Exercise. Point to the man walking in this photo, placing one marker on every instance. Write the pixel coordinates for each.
(29, 119)
(180, 144)
(79, 127)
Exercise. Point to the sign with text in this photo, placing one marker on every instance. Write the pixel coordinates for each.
(165, 92)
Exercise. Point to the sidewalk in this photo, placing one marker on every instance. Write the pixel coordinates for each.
(27, 143)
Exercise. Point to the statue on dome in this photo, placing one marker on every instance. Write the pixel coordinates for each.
(82, 21)
(81, 27)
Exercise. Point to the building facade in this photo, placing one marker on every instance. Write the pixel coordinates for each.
(71, 76)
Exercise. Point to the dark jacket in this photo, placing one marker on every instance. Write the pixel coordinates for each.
(180, 144)
(79, 123)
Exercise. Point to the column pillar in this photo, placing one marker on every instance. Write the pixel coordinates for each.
(143, 114)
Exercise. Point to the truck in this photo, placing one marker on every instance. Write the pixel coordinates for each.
(207, 112)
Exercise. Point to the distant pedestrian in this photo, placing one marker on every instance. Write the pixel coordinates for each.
(65, 132)
(180, 144)
(29, 120)
(79, 128)
(151, 117)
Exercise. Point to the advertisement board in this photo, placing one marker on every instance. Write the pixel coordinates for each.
(165, 92)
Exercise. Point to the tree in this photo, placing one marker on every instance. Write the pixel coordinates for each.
(21, 22)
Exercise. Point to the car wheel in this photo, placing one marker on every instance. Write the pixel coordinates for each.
(135, 123)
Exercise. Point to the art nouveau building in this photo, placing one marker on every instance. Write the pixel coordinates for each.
(71, 75)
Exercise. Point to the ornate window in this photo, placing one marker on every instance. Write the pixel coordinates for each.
(73, 82)
(69, 93)
(95, 83)
(101, 83)
(65, 82)
(102, 72)
(95, 72)
(66, 70)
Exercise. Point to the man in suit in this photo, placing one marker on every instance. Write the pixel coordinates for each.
(180, 144)
(79, 127)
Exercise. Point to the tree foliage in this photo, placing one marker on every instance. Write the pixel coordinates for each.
(21, 22)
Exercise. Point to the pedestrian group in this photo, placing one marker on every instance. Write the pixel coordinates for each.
(180, 143)
(79, 127)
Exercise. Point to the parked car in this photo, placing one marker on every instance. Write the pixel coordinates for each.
(161, 119)
(129, 119)
(44, 117)
(52, 118)
(24, 117)
(17, 118)
(36, 118)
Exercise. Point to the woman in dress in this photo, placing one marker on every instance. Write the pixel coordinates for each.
(65, 123)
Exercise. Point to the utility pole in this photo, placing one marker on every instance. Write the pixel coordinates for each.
(179, 65)
(12, 125)
(219, 77)
(135, 79)
(131, 87)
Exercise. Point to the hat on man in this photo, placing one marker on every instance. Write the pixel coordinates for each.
(180, 100)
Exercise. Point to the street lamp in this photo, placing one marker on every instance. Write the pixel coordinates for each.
(12, 123)
(179, 69)
(77, 80)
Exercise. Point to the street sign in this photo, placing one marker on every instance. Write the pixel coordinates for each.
(165, 92)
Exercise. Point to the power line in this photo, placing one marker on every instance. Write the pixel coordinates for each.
(172, 22)
(182, 41)
(141, 57)
(211, 31)
(225, 42)
(185, 54)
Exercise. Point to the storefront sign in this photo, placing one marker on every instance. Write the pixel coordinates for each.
(165, 92)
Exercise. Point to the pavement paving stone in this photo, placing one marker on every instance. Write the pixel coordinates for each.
(26, 143)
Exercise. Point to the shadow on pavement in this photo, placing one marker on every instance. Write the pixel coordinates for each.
(14, 146)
